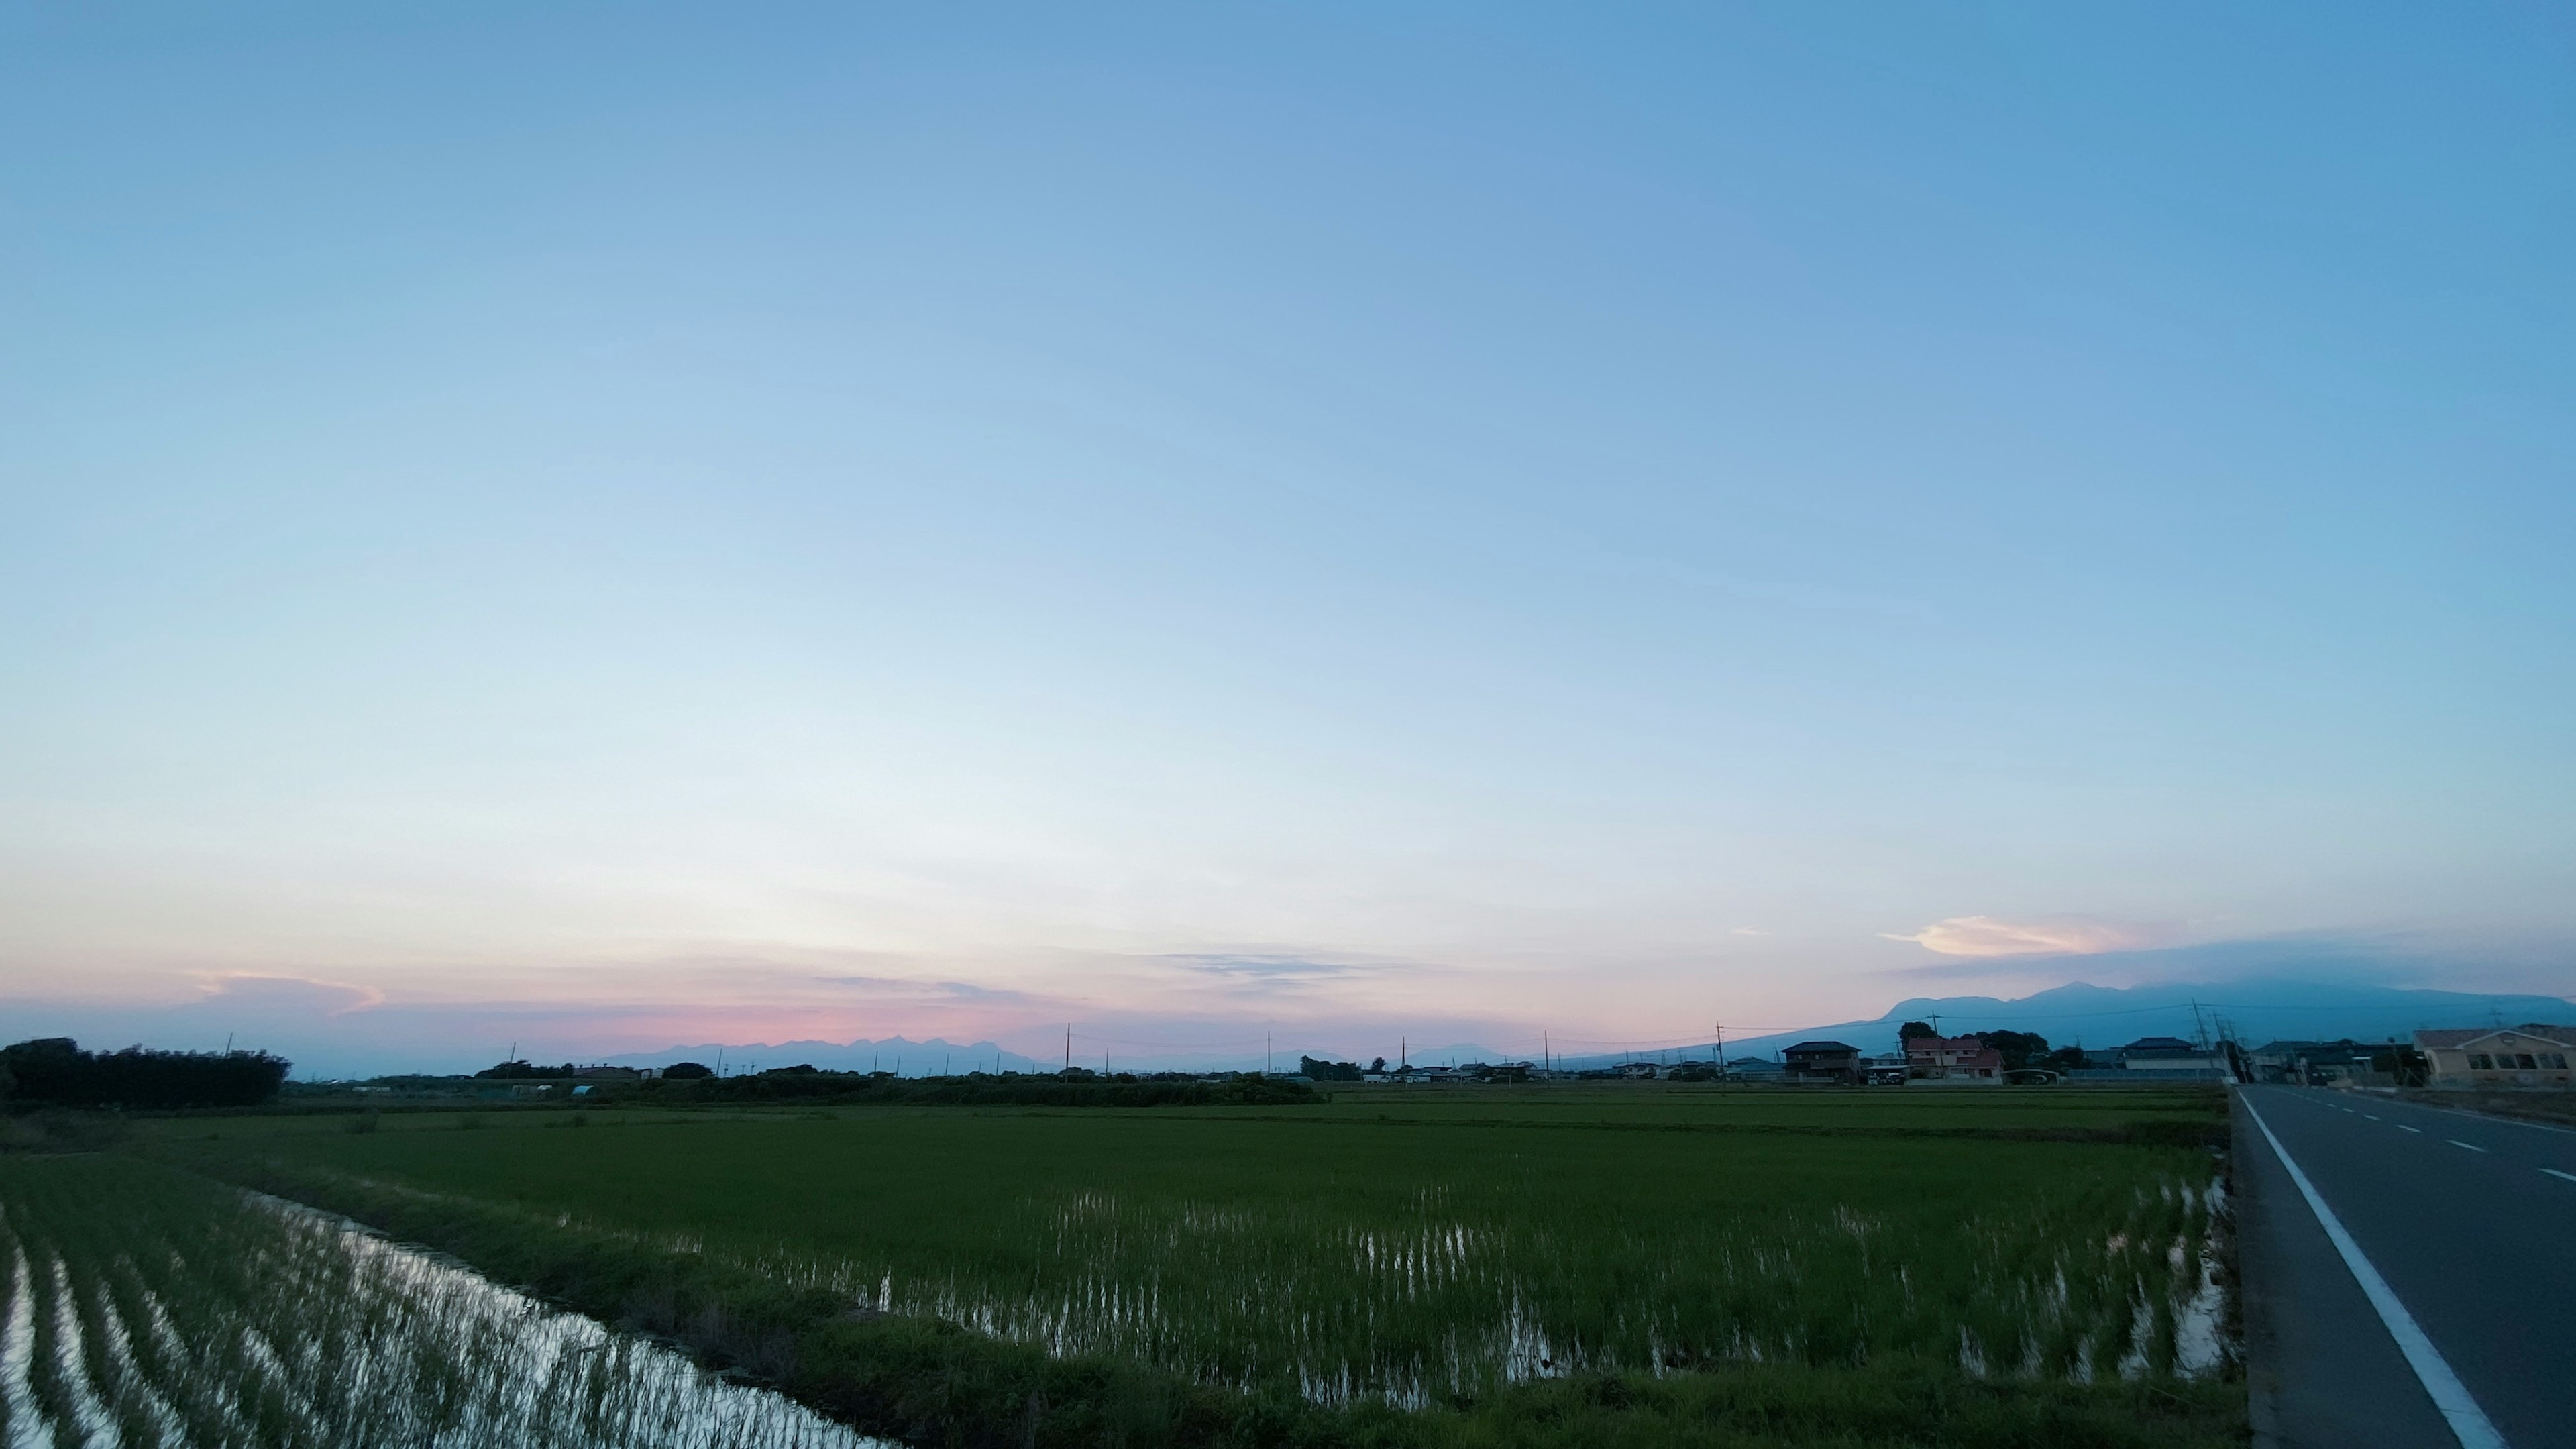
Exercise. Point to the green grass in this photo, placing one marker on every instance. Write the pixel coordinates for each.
(1399, 1266)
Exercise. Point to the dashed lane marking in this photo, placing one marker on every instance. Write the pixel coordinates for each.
(2456, 1142)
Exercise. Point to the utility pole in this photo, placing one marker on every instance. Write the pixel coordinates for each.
(1068, 1047)
(1721, 1051)
(1546, 1057)
(1403, 1050)
(1265, 1054)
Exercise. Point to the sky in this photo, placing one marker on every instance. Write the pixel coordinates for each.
(601, 525)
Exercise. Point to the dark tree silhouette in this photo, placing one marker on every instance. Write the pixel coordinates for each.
(54, 1070)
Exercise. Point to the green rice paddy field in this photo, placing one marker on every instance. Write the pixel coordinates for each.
(143, 1308)
(1542, 1265)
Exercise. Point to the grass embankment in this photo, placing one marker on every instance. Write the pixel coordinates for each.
(1392, 1269)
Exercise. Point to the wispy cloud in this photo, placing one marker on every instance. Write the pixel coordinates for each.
(907, 989)
(1264, 968)
(1988, 936)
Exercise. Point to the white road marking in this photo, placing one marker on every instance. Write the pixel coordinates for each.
(2402, 1127)
(2493, 1120)
(2456, 1142)
(2366, 1114)
(2554, 1172)
(2468, 1422)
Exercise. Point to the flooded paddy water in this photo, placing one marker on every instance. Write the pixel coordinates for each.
(146, 1309)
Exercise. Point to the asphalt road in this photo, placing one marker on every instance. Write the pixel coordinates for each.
(2471, 1223)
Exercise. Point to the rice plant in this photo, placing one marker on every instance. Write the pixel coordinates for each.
(1405, 1263)
(145, 1307)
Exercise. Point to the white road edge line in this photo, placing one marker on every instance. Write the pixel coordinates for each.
(2554, 1172)
(2469, 1423)
(2402, 1127)
(2456, 1142)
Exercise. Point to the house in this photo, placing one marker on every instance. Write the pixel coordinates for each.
(2309, 1063)
(2515, 1058)
(1753, 1069)
(2171, 1057)
(1952, 1061)
(1821, 1061)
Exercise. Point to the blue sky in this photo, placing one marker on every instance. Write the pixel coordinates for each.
(941, 519)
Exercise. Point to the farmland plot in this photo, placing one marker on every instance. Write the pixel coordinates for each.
(1353, 1261)
(147, 1308)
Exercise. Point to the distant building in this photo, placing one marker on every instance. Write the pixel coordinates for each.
(1952, 1061)
(2522, 1058)
(1887, 1071)
(1753, 1069)
(2310, 1063)
(2171, 1057)
(1821, 1061)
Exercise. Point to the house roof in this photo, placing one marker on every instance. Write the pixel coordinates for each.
(1823, 1046)
(2470, 1036)
(2160, 1044)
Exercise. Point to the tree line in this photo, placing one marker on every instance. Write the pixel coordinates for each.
(55, 1072)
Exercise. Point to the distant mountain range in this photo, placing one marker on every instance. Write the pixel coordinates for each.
(2255, 1011)
(935, 1057)
(939, 1057)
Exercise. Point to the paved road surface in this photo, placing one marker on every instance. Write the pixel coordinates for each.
(2471, 1221)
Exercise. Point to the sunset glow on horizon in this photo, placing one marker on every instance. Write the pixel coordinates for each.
(600, 529)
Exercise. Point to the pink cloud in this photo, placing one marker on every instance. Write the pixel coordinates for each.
(1990, 936)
